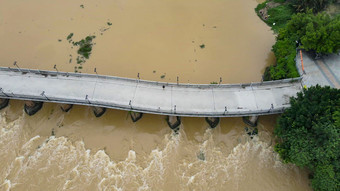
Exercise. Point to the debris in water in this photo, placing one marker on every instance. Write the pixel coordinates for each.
(85, 47)
(251, 131)
(201, 156)
(69, 36)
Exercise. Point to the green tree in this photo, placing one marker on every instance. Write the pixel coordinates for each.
(319, 33)
(309, 135)
(322, 34)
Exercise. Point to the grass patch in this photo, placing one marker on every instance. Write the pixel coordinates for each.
(279, 16)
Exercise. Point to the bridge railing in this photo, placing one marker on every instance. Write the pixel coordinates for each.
(46, 73)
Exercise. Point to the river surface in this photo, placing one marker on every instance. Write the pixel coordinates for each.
(160, 39)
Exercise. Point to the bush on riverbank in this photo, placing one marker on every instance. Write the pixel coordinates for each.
(285, 53)
(276, 15)
(309, 135)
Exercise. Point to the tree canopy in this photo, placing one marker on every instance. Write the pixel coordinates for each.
(319, 33)
(309, 135)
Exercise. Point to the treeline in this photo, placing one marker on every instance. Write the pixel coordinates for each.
(309, 135)
(315, 5)
(298, 23)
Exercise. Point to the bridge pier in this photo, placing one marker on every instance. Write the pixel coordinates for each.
(174, 122)
(212, 121)
(251, 120)
(66, 107)
(32, 107)
(98, 111)
(3, 103)
(135, 116)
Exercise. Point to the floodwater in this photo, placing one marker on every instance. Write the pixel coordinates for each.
(53, 150)
(152, 37)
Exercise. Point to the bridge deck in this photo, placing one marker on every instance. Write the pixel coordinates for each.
(146, 96)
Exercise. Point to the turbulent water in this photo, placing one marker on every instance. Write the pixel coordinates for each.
(58, 151)
(53, 150)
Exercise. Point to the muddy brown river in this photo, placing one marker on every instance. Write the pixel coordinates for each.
(198, 41)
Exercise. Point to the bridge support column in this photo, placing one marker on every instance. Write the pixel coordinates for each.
(66, 107)
(212, 121)
(98, 111)
(251, 120)
(174, 122)
(32, 107)
(3, 103)
(135, 116)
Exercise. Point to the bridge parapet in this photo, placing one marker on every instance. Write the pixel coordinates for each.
(45, 73)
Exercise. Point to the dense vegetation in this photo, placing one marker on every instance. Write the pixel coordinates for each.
(276, 16)
(318, 33)
(309, 135)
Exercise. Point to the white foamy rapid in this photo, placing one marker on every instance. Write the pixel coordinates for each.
(30, 160)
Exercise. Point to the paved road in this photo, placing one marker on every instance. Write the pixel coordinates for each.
(148, 97)
(324, 71)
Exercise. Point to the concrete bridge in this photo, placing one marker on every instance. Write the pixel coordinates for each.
(140, 96)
